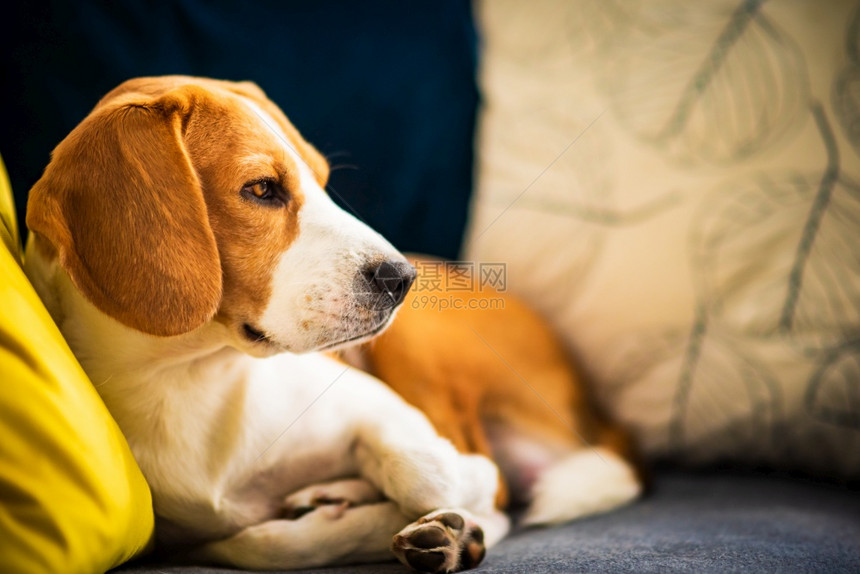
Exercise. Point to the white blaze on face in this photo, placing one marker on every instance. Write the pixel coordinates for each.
(316, 288)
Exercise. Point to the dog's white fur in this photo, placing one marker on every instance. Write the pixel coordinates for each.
(226, 430)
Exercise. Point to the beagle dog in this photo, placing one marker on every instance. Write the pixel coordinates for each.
(182, 240)
(494, 379)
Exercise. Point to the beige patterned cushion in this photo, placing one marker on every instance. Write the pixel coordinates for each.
(676, 186)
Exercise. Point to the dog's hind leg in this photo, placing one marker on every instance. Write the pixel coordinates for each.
(584, 482)
(349, 492)
(563, 476)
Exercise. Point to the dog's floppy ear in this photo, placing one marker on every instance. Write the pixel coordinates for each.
(122, 206)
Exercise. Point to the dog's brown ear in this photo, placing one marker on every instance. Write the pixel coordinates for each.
(313, 158)
(122, 206)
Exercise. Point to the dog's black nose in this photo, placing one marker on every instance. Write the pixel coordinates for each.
(388, 282)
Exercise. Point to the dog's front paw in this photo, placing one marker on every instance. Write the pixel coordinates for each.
(340, 494)
(442, 541)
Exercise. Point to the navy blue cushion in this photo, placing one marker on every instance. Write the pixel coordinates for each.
(385, 89)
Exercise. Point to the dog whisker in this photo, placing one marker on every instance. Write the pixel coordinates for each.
(341, 166)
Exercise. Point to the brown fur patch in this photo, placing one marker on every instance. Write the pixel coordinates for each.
(143, 203)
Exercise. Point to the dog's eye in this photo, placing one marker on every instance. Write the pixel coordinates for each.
(264, 191)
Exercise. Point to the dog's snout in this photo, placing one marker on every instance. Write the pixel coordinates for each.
(388, 282)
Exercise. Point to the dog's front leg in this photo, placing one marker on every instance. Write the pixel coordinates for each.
(330, 534)
(412, 465)
(449, 496)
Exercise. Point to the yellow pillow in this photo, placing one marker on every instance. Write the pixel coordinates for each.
(8, 225)
(72, 498)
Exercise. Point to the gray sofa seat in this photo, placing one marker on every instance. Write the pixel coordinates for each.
(690, 522)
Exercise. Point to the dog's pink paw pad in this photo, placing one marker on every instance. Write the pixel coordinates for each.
(440, 543)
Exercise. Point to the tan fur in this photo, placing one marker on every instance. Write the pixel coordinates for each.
(473, 368)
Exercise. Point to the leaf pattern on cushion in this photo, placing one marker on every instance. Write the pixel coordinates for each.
(833, 394)
(761, 271)
(846, 87)
(703, 87)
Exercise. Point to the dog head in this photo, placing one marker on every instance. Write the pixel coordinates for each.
(179, 201)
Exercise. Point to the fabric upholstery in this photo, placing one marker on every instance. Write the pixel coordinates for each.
(717, 522)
